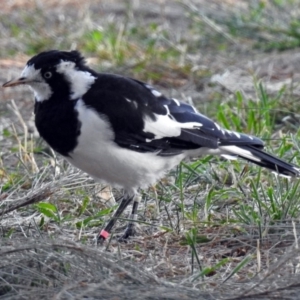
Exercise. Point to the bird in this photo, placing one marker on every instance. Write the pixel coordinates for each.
(125, 132)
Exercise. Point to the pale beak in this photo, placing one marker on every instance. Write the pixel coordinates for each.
(19, 81)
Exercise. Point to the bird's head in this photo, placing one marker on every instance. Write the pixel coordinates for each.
(56, 72)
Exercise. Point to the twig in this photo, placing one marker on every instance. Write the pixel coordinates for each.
(36, 197)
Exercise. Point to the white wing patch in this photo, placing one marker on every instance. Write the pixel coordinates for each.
(156, 93)
(236, 134)
(217, 125)
(163, 126)
(233, 133)
(167, 108)
(153, 91)
(80, 81)
(176, 101)
(132, 102)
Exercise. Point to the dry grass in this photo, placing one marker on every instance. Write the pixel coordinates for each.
(190, 243)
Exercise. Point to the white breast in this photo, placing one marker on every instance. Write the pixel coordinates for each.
(99, 156)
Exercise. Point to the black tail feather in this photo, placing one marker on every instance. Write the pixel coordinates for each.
(273, 163)
(263, 159)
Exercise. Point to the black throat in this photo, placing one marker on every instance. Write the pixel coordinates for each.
(57, 123)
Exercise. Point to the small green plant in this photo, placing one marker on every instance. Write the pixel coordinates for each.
(210, 271)
(50, 211)
(95, 220)
(191, 238)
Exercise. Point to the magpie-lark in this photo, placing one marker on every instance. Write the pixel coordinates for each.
(123, 131)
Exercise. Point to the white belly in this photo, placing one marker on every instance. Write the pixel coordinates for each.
(99, 156)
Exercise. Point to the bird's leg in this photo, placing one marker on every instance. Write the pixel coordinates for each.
(130, 229)
(104, 233)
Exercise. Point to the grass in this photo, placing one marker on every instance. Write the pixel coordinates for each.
(198, 192)
(218, 211)
(256, 24)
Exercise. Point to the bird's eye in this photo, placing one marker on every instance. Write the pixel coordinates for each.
(48, 75)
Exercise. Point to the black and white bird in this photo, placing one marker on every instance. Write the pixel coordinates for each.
(123, 131)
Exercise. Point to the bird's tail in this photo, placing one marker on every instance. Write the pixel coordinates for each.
(263, 159)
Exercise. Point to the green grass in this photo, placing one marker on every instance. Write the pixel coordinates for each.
(263, 25)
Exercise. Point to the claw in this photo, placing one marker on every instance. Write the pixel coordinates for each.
(129, 231)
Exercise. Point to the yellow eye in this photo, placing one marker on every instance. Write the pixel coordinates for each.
(48, 75)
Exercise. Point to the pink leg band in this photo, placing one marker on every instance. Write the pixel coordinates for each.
(104, 234)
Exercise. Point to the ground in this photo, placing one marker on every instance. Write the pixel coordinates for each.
(210, 229)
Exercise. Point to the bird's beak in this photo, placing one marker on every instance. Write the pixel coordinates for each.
(19, 81)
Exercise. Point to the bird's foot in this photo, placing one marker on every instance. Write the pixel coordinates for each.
(129, 231)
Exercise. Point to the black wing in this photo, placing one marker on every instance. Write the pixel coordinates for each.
(144, 120)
